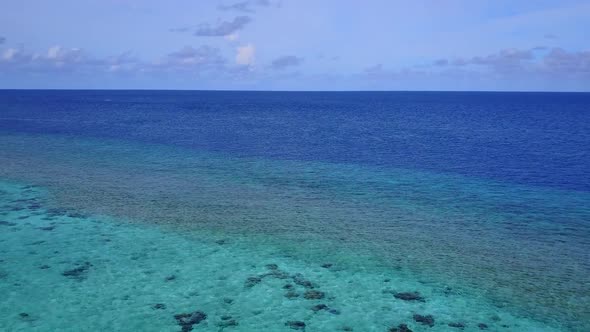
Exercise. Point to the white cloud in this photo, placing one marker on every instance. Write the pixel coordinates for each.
(53, 52)
(231, 37)
(224, 28)
(62, 59)
(188, 56)
(9, 54)
(245, 55)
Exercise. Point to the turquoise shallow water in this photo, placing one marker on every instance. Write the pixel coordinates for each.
(512, 257)
(62, 270)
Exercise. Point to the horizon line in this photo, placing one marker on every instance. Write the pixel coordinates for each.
(307, 91)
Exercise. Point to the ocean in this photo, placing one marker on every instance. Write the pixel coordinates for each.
(283, 211)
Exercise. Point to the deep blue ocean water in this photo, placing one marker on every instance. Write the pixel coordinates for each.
(528, 138)
(479, 201)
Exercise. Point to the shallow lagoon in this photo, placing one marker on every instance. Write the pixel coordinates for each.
(142, 214)
(62, 270)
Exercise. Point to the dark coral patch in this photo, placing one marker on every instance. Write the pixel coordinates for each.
(334, 311)
(187, 320)
(457, 325)
(400, 328)
(301, 281)
(314, 295)
(296, 324)
(424, 320)
(78, 273)
(26, 317)
(252, 281)
(291, 294)
(319, 307)
(409, 296)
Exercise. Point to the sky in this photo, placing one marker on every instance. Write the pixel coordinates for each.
(517, 45)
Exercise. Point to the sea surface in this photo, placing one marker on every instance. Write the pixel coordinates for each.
(294, 211)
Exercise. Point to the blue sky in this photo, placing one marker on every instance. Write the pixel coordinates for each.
(296, 44)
